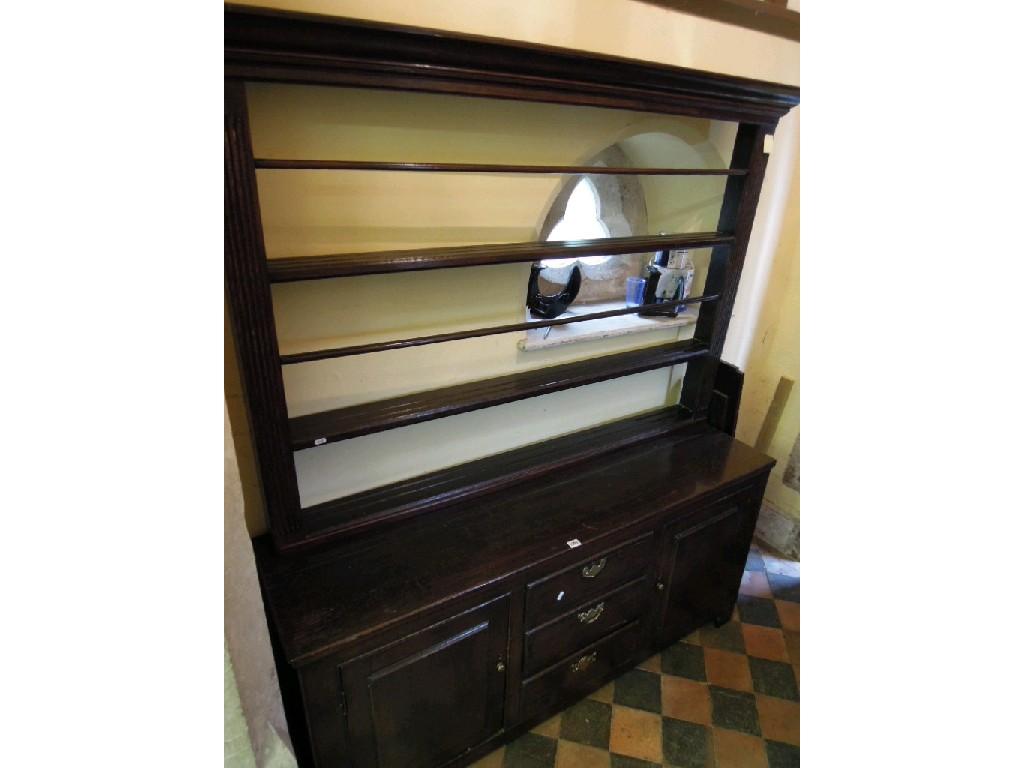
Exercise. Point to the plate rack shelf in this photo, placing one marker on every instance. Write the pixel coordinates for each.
(292, 48)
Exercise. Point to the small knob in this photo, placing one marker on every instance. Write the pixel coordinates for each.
(501, 666)
(660, 586)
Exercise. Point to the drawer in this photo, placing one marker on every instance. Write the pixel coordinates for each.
(587, 580)
(580, 673)
(584, 625)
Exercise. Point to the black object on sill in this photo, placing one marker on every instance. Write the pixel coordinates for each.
(550, 307)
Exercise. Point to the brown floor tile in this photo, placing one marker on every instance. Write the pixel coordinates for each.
(652, 664)
(789, 614)
(793, 647)
(755, 583)
(494, 760)
(573, 755)
(727, 637)
(727, 669)
(636, 733)
(550, 727)
(780, 719)
(739, 750)
(765, 642)
(604, 694)
(684, 699)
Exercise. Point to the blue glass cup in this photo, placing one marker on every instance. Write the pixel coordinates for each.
(635, 291)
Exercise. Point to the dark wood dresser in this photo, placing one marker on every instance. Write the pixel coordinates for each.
(427, 621)
(440, 638)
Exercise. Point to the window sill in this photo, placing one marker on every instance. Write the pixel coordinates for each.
(605, 328)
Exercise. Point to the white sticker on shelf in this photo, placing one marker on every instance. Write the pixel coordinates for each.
(320, 441)
(573, 543)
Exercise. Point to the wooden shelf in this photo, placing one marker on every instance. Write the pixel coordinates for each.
(440, 489)
(295, 268)
(573, 170)
(354, 421)
(473, 333)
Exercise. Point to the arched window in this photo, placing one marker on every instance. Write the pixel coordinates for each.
(590, 207)
(581, 221)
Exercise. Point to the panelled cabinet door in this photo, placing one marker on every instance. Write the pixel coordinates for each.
(705, 566)
(430, 696)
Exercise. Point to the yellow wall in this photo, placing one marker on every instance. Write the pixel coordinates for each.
(317, 212)
(776, 354)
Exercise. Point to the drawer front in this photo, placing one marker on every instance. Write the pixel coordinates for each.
(557, 639)
(587, 580)
(581, 673)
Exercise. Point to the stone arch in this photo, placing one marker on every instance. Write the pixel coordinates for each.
(636, 205)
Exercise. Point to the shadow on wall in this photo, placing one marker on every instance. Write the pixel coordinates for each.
(792, 475)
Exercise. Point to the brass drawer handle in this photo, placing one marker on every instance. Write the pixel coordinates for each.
(591, 571)
(584, 661)
(591, 615)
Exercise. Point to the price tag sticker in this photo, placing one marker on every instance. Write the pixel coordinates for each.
(320, 441)
(573, 543)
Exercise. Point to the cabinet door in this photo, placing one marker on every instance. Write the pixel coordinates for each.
(432, 695)
(705, 566)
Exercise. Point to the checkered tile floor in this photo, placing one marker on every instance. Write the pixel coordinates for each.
(720, 698)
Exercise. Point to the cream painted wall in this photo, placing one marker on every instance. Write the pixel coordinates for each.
(314, 314)
(776, 353)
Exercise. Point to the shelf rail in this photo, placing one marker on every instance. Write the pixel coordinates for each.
(472, 333)
(297, 268)
(316, 429)
(567, 170)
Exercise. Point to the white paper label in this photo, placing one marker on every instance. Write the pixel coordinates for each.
(320, 441)
(573, 543)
